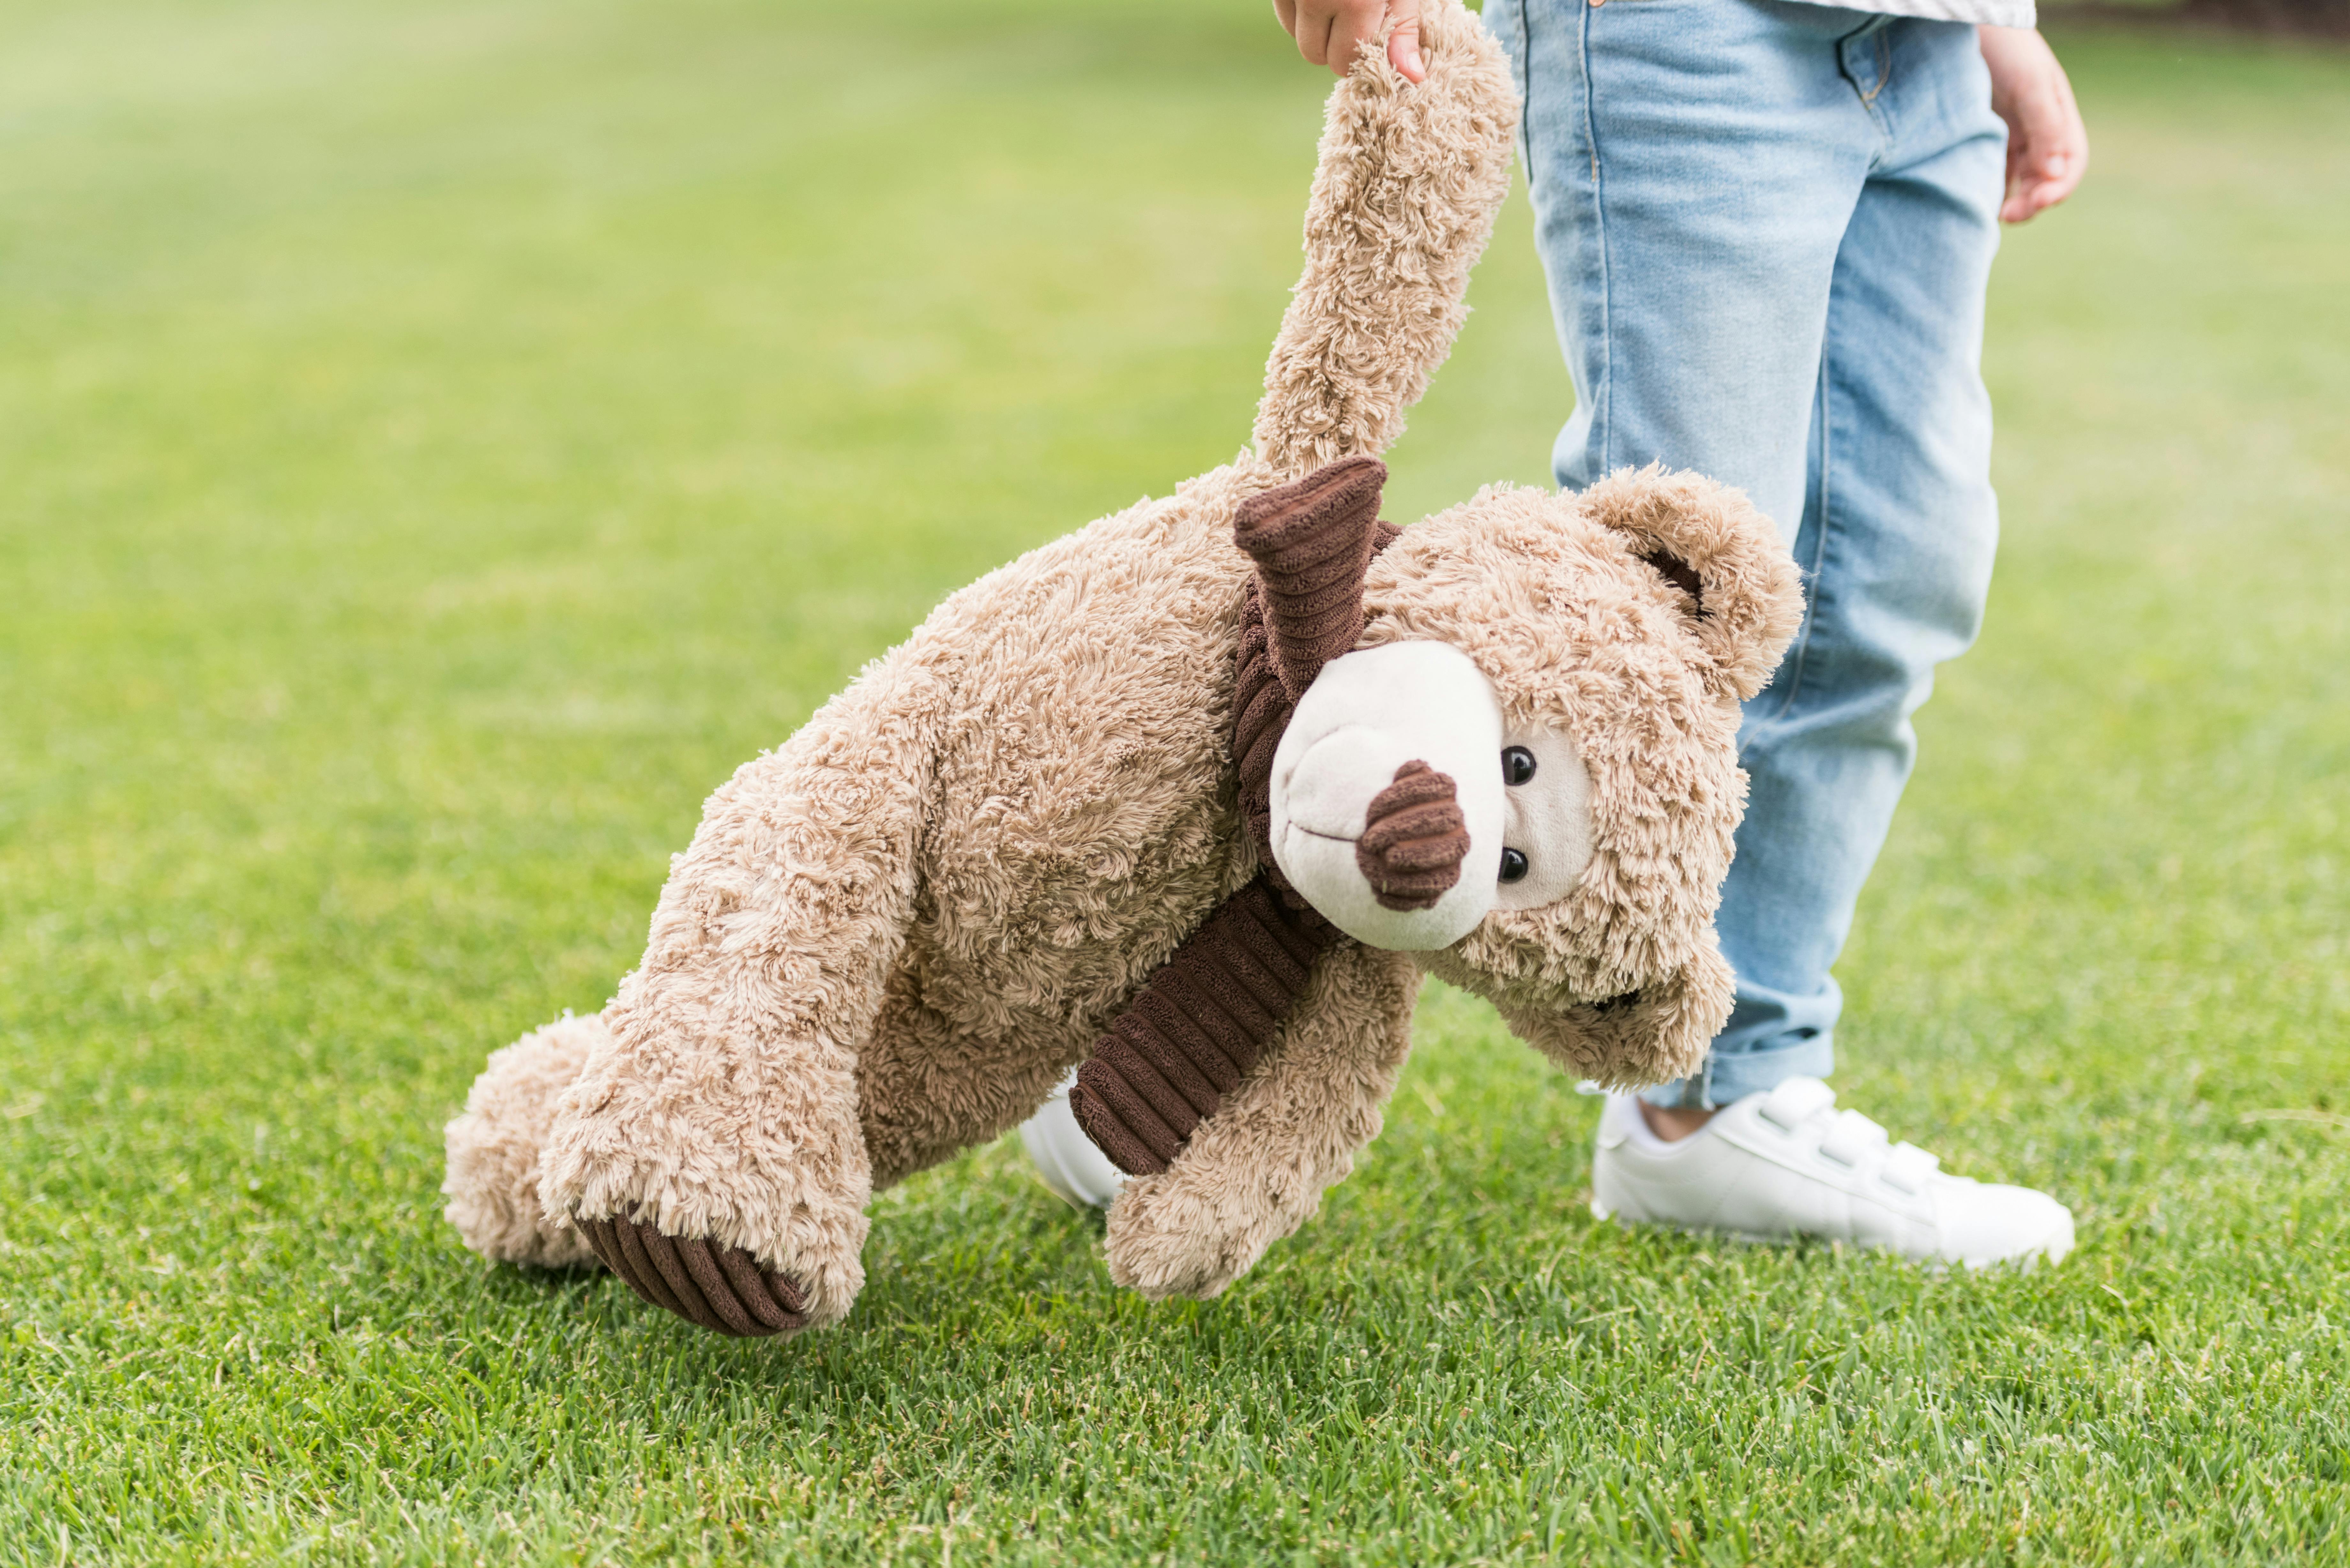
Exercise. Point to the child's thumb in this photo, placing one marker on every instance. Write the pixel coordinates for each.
(1403, 39)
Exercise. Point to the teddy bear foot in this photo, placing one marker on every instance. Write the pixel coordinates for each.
(722, 1289)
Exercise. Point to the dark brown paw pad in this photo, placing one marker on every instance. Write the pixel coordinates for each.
(721, 1288)
(1414, 839)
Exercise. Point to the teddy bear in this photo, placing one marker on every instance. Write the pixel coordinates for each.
(1191, 800)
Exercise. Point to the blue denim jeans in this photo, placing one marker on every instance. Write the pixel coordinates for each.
(1767, 229)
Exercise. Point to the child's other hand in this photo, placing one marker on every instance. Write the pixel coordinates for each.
(2047, 145)
(1329, 32)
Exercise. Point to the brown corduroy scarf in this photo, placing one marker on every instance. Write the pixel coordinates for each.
(1204, 1017)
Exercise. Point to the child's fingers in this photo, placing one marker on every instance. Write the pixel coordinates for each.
(1333, 32)
(2050, 155)
(2048, 145)
(1324, 31)
(1355, 23)
(1403, 41)
(2060, 177)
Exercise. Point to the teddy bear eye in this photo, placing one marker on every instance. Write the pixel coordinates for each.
(1517, 767)
(1513, 863)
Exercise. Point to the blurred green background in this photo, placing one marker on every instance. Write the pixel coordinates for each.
(438, 444)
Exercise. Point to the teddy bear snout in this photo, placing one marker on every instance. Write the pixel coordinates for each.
(1387, 785)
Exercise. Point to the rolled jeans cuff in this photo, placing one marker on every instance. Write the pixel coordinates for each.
(1730, 1077)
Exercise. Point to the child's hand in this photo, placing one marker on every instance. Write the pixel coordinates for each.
(2047, 145)
(1329, 32)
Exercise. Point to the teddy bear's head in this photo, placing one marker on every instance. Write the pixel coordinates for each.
(1564, 669)
(1526, 768)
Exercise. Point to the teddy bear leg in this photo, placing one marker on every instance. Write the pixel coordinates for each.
(714, 1158)
(493, 1180)
(1256, 1169)
(711, 1147)
(928, 1089)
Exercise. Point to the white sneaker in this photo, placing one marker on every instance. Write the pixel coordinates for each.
(1077, 1170)
(1787, 1163)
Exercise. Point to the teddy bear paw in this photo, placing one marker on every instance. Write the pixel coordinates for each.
(722, 1289)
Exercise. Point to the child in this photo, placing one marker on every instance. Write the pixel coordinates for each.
(1767, 228)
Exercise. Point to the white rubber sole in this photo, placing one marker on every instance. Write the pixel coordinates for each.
(2050, 1250)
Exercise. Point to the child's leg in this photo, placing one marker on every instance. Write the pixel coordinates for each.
(1899, 525)
(1769, 228)
(1767, 254)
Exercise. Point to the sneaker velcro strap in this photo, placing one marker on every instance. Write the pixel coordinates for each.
(1796, 1102)
(1853, 1139)
(1908, 1169)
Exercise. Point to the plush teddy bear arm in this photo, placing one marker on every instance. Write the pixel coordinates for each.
(1409, 179)
(1199, 1024)
(1256, 1170)
(723, 1105)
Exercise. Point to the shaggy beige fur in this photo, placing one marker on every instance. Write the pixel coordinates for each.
(1622, 980)
(1256, 1170)
(1405, 191)
(890, 936)
(494, 1148)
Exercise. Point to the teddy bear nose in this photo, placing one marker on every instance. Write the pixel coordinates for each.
(1414, 839)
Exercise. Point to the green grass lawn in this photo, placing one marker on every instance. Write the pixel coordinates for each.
(438, 442)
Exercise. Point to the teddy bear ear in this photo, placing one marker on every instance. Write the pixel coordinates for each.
(1744, 597)
(1652, 1036)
